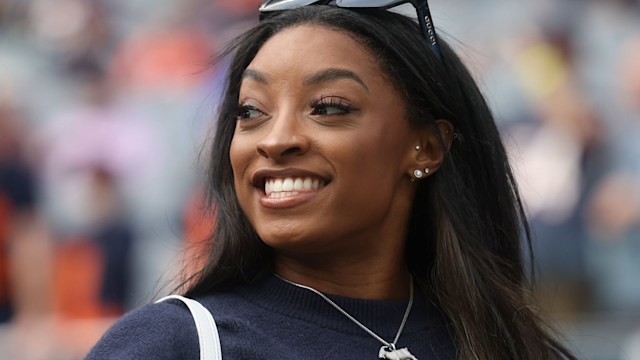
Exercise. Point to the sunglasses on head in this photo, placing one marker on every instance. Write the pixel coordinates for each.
(421, 6)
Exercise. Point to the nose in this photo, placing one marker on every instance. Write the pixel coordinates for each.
(285, 138)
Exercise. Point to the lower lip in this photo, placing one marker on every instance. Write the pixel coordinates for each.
(287, 202)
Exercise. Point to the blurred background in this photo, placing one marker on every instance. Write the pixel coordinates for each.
(106, 107)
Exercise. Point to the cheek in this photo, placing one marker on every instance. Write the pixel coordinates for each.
(239, 156)
(381, 151)
(234, 156)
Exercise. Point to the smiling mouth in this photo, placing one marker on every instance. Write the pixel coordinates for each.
(275, 187)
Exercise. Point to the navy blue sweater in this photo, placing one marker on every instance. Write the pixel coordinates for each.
(272, 319)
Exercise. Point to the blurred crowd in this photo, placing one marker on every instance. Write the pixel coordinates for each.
(106, 107)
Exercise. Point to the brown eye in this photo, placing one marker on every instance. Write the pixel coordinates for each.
(328, 110)
(331, 106)
(248, 112)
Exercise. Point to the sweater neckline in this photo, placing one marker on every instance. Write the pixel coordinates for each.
(381, 316)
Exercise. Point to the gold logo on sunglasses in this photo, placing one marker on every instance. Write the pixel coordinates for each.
(432, 36)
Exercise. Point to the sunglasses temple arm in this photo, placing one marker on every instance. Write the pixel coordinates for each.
(428, 29)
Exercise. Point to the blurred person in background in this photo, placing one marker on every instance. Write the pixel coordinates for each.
(614, 210)
(17, 204)
(551, 149)
(89, 151)
(97, 131)
(26, 253)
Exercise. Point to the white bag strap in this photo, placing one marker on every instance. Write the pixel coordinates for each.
(207, 331)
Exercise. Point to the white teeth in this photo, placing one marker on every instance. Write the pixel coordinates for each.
(287, 184)
(290, 186)
(283, 194)
(277, 185)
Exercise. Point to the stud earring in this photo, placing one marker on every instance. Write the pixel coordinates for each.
(418, 174)
(418, 147)
(426, 170)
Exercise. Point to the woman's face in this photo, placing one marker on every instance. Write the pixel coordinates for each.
(322, 150)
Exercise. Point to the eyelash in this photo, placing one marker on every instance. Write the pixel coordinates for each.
(324, 102)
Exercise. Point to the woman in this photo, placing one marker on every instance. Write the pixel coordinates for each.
(364, 205)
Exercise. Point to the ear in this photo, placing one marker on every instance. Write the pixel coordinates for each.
(435, 142)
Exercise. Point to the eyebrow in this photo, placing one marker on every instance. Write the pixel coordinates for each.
(314, 79)
(255, 75)
(333, 74)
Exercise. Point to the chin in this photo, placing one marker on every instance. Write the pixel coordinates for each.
(290, 241)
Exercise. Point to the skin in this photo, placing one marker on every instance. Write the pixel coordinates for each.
(314, 102)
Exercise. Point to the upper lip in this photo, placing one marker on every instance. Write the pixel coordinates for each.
(259, 176)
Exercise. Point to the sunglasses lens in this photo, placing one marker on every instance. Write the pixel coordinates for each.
(369, 3)
(279, 5)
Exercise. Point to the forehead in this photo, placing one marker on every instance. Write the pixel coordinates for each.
(306, 48)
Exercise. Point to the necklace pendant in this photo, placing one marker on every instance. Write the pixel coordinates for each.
(390, 353)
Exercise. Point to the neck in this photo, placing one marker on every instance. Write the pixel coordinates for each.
(372, 282)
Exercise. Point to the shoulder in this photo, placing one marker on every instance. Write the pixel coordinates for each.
(156, 331)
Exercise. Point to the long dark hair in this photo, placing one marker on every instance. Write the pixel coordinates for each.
(467, 222)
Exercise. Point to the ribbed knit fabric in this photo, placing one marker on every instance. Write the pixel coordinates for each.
(272, 319)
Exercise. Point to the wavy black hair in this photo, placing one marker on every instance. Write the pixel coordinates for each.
(464, 239)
